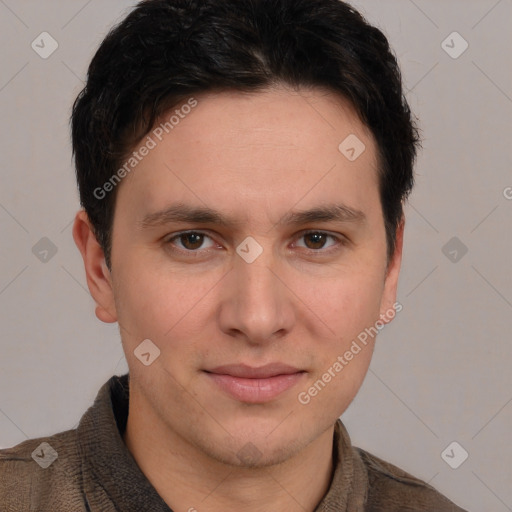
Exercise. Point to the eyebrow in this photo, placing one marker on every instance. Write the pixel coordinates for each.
(204, 215)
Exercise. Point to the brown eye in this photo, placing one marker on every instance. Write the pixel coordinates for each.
(320, 243)
(317, 240)
(191, 241)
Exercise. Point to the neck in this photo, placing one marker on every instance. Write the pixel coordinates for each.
(189, 480)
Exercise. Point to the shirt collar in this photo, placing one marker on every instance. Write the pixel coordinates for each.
(111, 473)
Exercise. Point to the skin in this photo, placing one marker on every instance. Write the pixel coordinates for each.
(254, 157)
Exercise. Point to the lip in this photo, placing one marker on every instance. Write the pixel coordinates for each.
(255, 384)
(252, 372)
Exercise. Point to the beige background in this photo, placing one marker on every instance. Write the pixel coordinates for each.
(441, 369)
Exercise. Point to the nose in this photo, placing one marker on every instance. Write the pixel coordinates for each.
(256, 304)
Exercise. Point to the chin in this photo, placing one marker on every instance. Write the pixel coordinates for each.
(254, 453)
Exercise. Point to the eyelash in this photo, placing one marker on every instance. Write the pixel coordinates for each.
(340, 242)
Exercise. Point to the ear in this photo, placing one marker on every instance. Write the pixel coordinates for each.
(98, 276)
(388, 299)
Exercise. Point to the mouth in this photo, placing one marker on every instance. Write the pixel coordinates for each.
(255, 384)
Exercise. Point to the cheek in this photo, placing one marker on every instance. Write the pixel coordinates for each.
(331, 389)
(347, 302)
(350, 306)
(160, 305)
(341, 365)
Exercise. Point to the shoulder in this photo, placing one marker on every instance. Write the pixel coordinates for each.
(40, 472)
(393, 489)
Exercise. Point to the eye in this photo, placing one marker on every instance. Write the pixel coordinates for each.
(316, 240)
(190, 240)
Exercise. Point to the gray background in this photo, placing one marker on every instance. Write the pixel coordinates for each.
(441, 368)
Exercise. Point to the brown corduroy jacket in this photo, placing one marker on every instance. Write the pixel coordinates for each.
(89, 469)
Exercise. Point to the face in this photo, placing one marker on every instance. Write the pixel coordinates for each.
(253, 303)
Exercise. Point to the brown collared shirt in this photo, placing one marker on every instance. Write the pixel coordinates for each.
(89, 469)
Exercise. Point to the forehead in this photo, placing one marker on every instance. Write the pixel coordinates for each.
(271, 121)
(263, 148)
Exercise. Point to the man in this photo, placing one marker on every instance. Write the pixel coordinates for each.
(242, 168)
